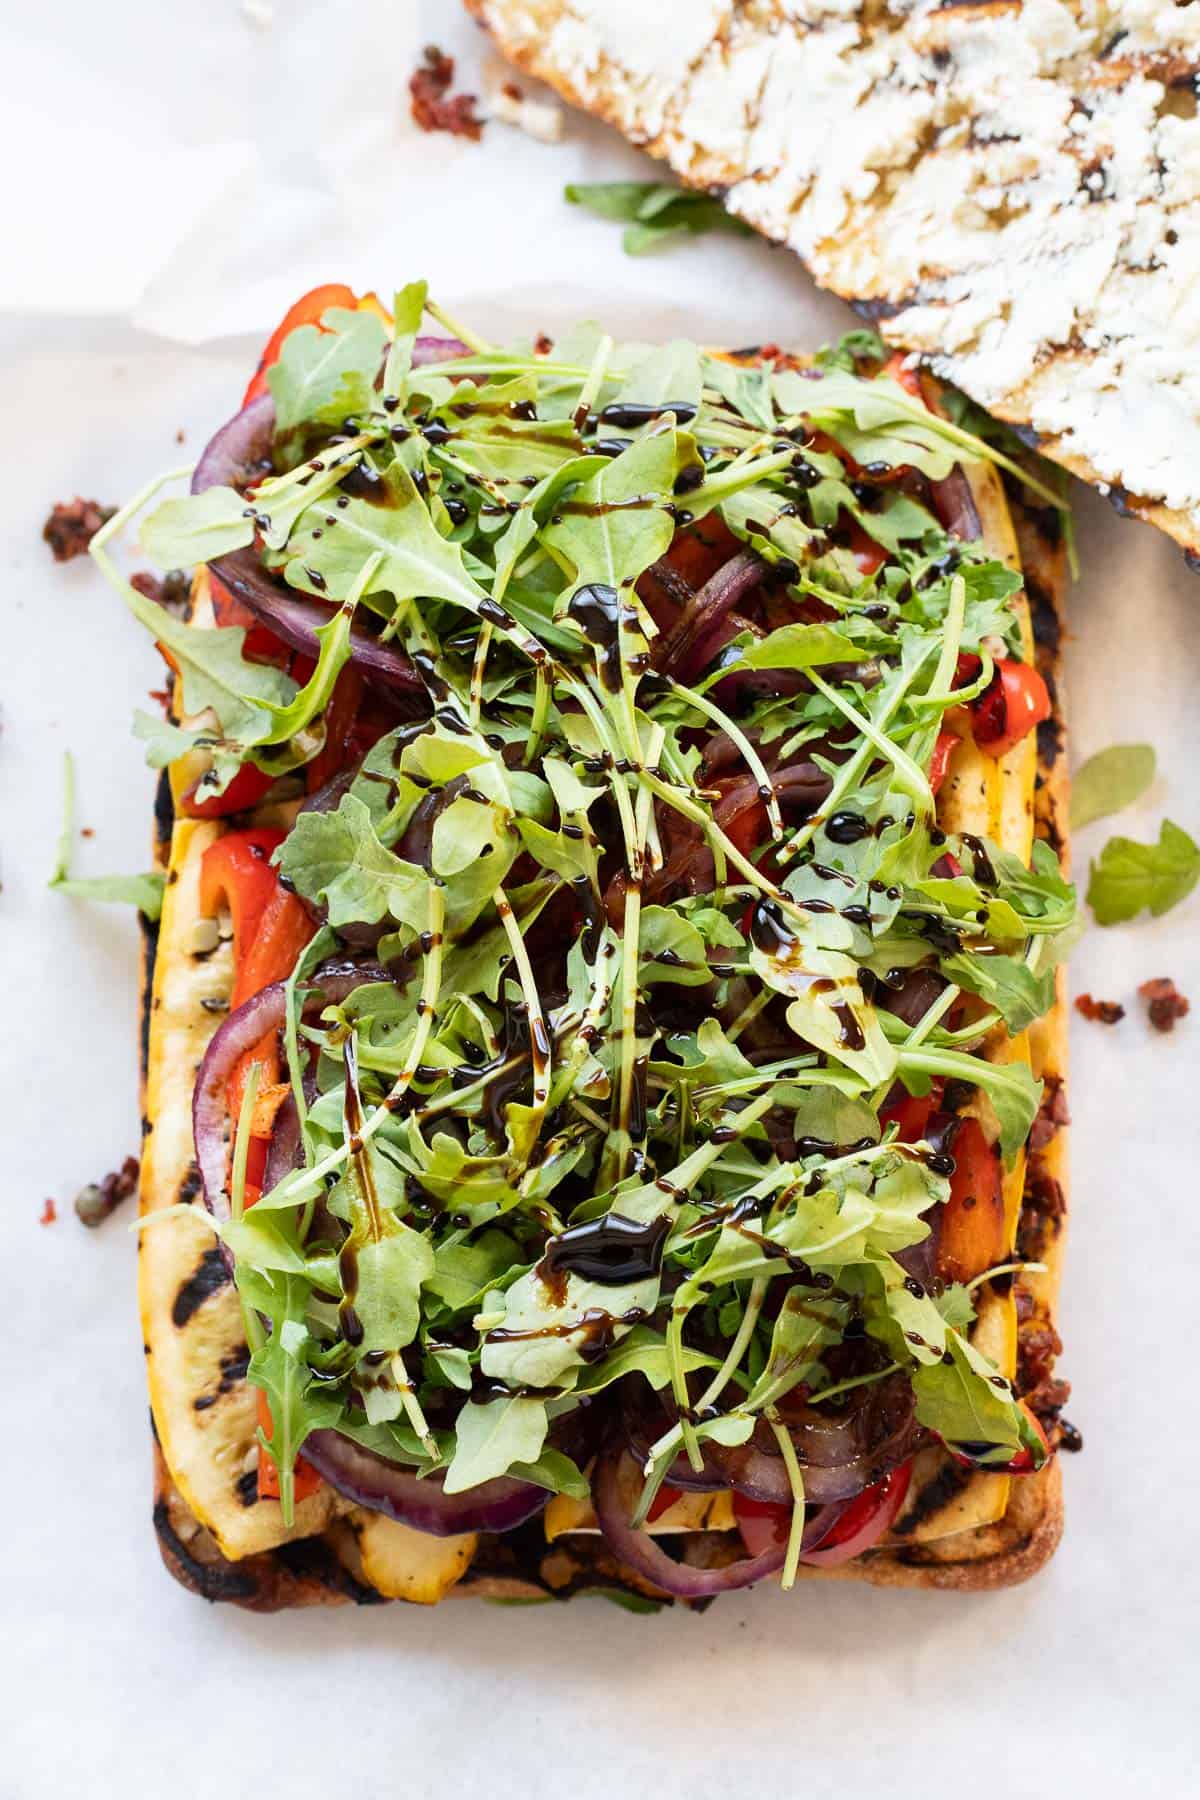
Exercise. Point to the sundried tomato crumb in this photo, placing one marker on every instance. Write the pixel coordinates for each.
(72, 525)
(1108, 1012)
(433, 107)
(49, 1213)
(1164, 1002)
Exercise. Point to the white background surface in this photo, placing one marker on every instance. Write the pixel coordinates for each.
(210, 171)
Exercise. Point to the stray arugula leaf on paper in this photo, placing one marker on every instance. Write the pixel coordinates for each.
(1128, 878)
(654, 212)
(1110, 781)
(143, 891)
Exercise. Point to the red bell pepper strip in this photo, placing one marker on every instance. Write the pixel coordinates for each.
(911, 1112)
(244, 791)
(237, 869)
(972, 1232)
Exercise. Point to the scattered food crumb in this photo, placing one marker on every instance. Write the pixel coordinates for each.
(86, 831)
(543, 344)
(72, 525)
(173, 590)
(1164, 1002)
(1109, 1012)
(181, 436)
(49, 1213)
(433, 107)
(94, 1203)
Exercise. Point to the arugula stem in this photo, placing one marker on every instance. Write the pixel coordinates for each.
(753, 760)
(739, 1346)
(796, 1530)
(539, 1036)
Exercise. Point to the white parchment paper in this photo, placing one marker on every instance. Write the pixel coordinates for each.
(178, 173)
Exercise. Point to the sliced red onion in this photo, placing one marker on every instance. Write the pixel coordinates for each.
(616, 1488)
(428, 350)
(421, 1503)
(240, 1032)
(240, 452)
(690, 643)
(295, 620)
(914, 997)
(954, 504)
(284, 1153)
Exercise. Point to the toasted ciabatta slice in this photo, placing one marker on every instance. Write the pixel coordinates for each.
(965, 1529)
(1011, 190)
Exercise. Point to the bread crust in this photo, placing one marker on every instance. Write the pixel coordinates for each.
(323, 1567)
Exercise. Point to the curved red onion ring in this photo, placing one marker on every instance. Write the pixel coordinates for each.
(284, 1153)
(241, 1031)
(421, 1503)
(690, 644)
(295, 620)
(237, 453)
(428, 350)
(616, 1485)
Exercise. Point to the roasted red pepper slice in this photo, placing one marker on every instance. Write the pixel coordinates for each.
(244, 791)
(971, 1227)
(237, 869)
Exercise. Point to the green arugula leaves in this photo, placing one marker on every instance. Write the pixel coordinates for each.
(617, 890)
(655, 213)
(1128, 878)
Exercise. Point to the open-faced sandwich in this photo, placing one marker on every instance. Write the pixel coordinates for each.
(603, 1074)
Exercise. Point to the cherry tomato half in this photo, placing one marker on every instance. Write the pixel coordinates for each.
(764, 1525)
(1013, 704)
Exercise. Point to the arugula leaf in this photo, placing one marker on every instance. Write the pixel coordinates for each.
(1110, 781)
(1012, 1088)
(326, 555)
(493, 1435)
(215, 672)
(326, 374)
(656, 211)
(143, 891)
(197, 528)
(298, 1403)
(958, 1401)
(1128, 876)
(336, 859)
(1019, 994)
